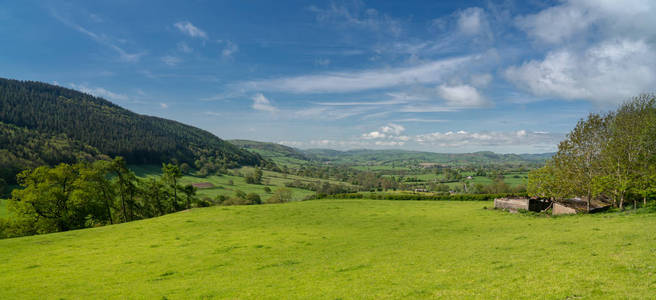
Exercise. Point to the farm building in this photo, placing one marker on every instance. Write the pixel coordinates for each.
(203, 185)
(577, 205)
(515, 204)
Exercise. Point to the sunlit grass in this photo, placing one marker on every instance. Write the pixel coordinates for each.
(348, 249)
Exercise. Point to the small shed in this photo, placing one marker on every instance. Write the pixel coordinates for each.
(515, 204)
(203, 185)
(577, 205)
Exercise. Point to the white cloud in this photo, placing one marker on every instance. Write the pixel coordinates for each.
(374, 135)
(461, 95)
(229, 49)
(389, 131)
(609, 72)
(100, 92)
(322, 61)
(603, 51)
(473, 21)
(420, 120)
(393, 129)
(189, 29)
(171, 60)
(481, 80)
(430, 72)
(356, 15)
(451, 139)
(260, 102)
(595, 19)
(164, 105)
(182, 46)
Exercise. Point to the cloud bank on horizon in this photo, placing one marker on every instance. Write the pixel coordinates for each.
(443, 77)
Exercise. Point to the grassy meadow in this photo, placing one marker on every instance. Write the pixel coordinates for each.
(340, 249)
(228, 184)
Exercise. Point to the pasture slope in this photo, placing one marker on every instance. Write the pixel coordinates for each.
(349, 249)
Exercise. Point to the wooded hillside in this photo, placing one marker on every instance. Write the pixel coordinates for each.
(82, 119)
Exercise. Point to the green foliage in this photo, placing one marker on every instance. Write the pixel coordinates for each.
(281, 195)
(84, 195)
(253, 198)
(255, 177)
(607, 156)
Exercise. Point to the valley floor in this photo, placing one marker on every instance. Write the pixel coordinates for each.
(348, 249)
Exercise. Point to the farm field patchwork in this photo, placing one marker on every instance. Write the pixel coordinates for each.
(348, 249)
(227, 184)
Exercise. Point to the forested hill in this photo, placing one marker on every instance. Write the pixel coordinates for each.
(272, 149)
(55, 111)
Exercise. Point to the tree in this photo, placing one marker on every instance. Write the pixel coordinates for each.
(281, 195)
(253, 198)
(189, 191)
(255, 177)
(171, 174)
(125, 186)
(3, 185)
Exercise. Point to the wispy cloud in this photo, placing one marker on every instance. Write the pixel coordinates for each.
(182, 46)
(341, 82)
(189, 29)
(356, 14)
(99, 38)
(229, 49)
(171, 60)
(420, 120)
(100, 92)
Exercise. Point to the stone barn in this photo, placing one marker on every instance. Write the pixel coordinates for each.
(578, 205)
(515, 204)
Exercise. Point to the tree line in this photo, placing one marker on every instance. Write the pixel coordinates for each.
(90, 194)
(609, 156)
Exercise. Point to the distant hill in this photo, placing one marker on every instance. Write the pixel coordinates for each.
(363, 156)
(288, 155)
(272, 148)
(47, 111)
(279, 154)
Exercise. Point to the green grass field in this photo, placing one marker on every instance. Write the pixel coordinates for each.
(348, 249)
(222, 184)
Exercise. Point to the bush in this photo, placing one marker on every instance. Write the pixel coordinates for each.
(254, 198)
(205, 202)
(281, 195)
(267, 189)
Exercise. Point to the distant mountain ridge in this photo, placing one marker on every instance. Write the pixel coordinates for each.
(360, 156)
(53, 111)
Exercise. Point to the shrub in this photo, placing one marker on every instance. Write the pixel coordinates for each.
(281, 195)
(254, 198)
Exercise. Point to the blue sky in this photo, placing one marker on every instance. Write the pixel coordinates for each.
(419, 75)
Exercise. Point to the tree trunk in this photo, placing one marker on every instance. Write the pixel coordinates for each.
(644, 200)
(622, 202)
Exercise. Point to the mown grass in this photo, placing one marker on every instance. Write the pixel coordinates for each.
(348, 249)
